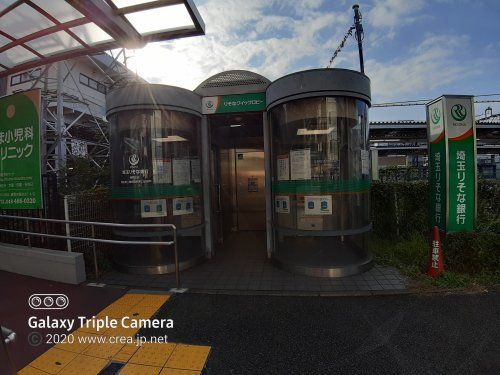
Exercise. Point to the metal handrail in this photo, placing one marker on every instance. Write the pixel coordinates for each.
(100, 240)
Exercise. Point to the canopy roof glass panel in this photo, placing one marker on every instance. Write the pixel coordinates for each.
(38, 32)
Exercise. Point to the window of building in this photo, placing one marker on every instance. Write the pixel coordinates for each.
(92, 83)
(25, 77)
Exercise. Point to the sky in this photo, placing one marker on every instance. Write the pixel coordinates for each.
(414, 49)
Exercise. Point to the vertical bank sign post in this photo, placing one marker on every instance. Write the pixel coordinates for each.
(20, 180)
(437, 164)
(452, 163)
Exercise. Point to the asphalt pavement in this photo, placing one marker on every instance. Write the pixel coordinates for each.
(393, 334)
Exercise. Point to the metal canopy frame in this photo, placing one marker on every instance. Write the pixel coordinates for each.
(67, 31)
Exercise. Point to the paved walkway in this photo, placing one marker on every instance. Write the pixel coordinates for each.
(242, 265)
(391, 334)
(15, 291)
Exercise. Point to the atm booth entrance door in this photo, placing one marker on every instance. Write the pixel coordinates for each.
(250, 192)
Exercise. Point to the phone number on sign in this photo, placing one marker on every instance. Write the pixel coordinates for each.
(18, 201)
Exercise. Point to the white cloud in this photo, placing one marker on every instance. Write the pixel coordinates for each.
(385, 16)
(270, 37)
(393, 13)
(432, 64)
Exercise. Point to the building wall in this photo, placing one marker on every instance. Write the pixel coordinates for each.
(71, 85)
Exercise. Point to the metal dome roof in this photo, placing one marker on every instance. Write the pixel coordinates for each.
(233, 82)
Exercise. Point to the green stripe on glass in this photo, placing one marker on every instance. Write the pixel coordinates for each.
(157, 190)
(308, 186)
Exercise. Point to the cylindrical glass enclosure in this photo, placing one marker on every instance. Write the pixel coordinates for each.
(156, 176)
(320, 172)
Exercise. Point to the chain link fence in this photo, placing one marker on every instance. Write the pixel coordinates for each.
(89, 205)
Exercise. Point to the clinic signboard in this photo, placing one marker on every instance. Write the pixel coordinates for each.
(20, 179)
(452, 163)
(253, 102)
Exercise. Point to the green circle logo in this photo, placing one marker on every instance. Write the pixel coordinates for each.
(436, 115)
(458, 112)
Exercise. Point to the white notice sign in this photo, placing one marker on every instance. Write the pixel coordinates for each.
(182, 206)
(181, 172)
(300, 164)
(162, 171)
(283, 167)
(282, 204)
(195, 170)
(153, 207)
(318, 205)
(365, 162)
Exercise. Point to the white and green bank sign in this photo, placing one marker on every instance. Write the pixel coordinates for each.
(253, 102)
(452, 163)
(20, 185)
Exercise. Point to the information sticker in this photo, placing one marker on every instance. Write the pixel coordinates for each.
(300, 164)
(318, 205)
(283, 167)
(182, 206)
(282, 204)
(153, 208)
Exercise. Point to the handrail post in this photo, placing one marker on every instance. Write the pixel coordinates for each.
(27, 230)
(4, 333)
(96, 266)
(176, 254)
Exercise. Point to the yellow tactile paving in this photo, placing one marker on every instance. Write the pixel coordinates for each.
(154, 300)
(125, 353)
(153, 354)
(188, 357)
(133, 369)
(84, 365)
(28, 370)
(176, 371)
(121, 331)
(79, 357)
(104, 350)
(53, 360)
(90, 329)
(116, 311)
(77, 342)
(142, 312)
(129, 299)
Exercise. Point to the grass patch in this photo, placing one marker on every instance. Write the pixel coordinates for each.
(411, 257)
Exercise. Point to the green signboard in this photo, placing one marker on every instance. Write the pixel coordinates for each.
(461, 142)
(437, 164)
(452, 163)
(20, 185)
(253, 102)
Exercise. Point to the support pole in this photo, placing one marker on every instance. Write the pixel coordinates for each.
(359, 36)
(176, 255)
(205, 171)
(96, 265)
(61, 139)
(66, 217)
(268, 184)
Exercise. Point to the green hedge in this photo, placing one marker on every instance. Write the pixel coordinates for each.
(400, 218)
(399, 209)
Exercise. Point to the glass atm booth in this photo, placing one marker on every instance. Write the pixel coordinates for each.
(156, 174)
(282, 168)
(318, 123)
